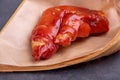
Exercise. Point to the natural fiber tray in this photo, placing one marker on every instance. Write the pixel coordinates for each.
(15, 48)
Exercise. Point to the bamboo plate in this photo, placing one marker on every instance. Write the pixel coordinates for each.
(19, 58)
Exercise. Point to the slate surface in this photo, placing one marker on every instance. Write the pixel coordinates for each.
(107, 68)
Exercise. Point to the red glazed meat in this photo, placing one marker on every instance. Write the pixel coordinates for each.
(63, 24)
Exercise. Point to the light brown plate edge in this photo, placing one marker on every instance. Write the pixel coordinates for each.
(9, 68)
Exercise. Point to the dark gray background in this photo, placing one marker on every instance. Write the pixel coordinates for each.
(107, 68)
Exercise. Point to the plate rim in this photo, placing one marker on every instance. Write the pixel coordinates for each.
(12, 68)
